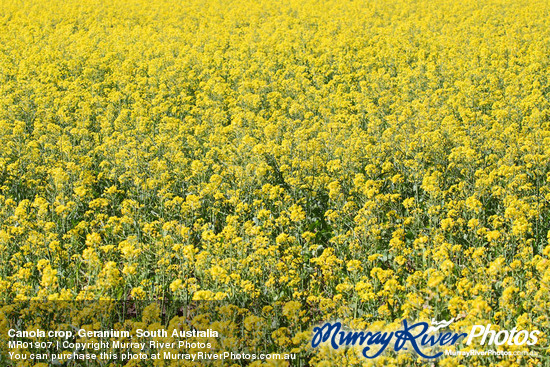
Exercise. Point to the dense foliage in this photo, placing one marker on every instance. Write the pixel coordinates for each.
(304, 161)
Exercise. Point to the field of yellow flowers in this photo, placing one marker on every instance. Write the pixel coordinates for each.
(295, 161)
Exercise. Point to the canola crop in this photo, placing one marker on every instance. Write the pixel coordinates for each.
(297, 161)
